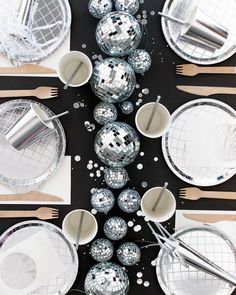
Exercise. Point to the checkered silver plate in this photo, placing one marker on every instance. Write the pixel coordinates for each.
(21, 231)
(223, 11)
(176, 279)
(174, 142)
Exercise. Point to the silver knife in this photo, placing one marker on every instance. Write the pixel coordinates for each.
(206, 90)
(31, 196)
(211, 218)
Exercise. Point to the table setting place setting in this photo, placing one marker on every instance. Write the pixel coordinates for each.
(117, 178)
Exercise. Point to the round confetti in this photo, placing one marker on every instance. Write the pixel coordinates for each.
(145, 91)
(130, 224)
(90, 166)
(155, 159)
(139, 213)
(91, 174)
(144, 184)
(94, 211)
(139, 281)
(137, 228)
(84, 45)
(140, 166)
(139, 274)
(146, 284)
(77, 158)
(154, 262)
(142, 154)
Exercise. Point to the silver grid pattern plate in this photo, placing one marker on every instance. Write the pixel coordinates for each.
(56, 16)
(223, 11)
(174, 142)
(30, 167)
(176, 279)
(21, 231)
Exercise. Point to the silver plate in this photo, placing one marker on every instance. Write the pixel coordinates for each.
(53, 13)
(223, 11)
(174, 142)
(21, 231)
(175, 279)
(28, 168)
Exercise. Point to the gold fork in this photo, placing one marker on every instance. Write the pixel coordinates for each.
(193, 193)
(42, 92)
(43, 213)
(193, 70)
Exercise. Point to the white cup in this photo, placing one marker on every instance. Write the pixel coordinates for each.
(89, 228)
(67, 65)
(165, 208)
(160, 123)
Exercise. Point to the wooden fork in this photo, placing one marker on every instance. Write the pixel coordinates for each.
(42, 213)
(193, 70)
(193, 193)
(42, 92)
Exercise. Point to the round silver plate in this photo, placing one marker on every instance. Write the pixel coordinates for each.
(21, 231)
(30, 167)
(223, 11)
(174, 142)
(50, 25)
(176, 279)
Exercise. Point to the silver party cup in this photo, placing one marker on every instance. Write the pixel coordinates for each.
(203, 29)
(29, 128)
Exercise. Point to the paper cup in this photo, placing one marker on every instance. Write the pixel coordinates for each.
(203, 29)
(89, 228)
(29, 128)
(160, 124)
(165, 208)
(68, 64)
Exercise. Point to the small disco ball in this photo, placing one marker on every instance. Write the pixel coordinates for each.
(113, 80)
(130, 6)
(128, 254)
(116, 178)
(104, 113)
(140, 60)
(118, 33)
(99, 8)
(103, 200)
(126, 107)
(129, 201)
(115, 228)
(117, 144)
(106, 278)
(101, 250)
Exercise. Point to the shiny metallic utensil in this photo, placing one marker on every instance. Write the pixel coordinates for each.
(206, 90)
(79, 229)
(26, 69)
(56, 116)
(193, 70)
(33, 125)
(42, 92)
(211, 218)
(159, 196)
(73, 75)
(171, 18)
(186, 255)
(30, 196)
(153, 112)
(42, 213)
(194, 193)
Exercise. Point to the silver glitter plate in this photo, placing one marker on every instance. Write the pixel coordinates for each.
(176, 279)
(174, 142)
(50, 26)
(27, 169)
(21, 231)
(223, 11)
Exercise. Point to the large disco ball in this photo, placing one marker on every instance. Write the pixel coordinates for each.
(113, 80)
(117, 144)
(118, 33)
(106, 278)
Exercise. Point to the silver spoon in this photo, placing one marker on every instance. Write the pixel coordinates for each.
(57, 116)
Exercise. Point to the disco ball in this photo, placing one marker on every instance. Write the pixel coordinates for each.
(128, 254)
(99, 8)
(115, 228)
(129, 201)
(140, 60)
(101, 250)
(126, 107)
(117, 144)
(104, 113)
(118, 33)
(116, 178)
(131, 6)
(103, 200)
(106, 278)
(113, 80)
